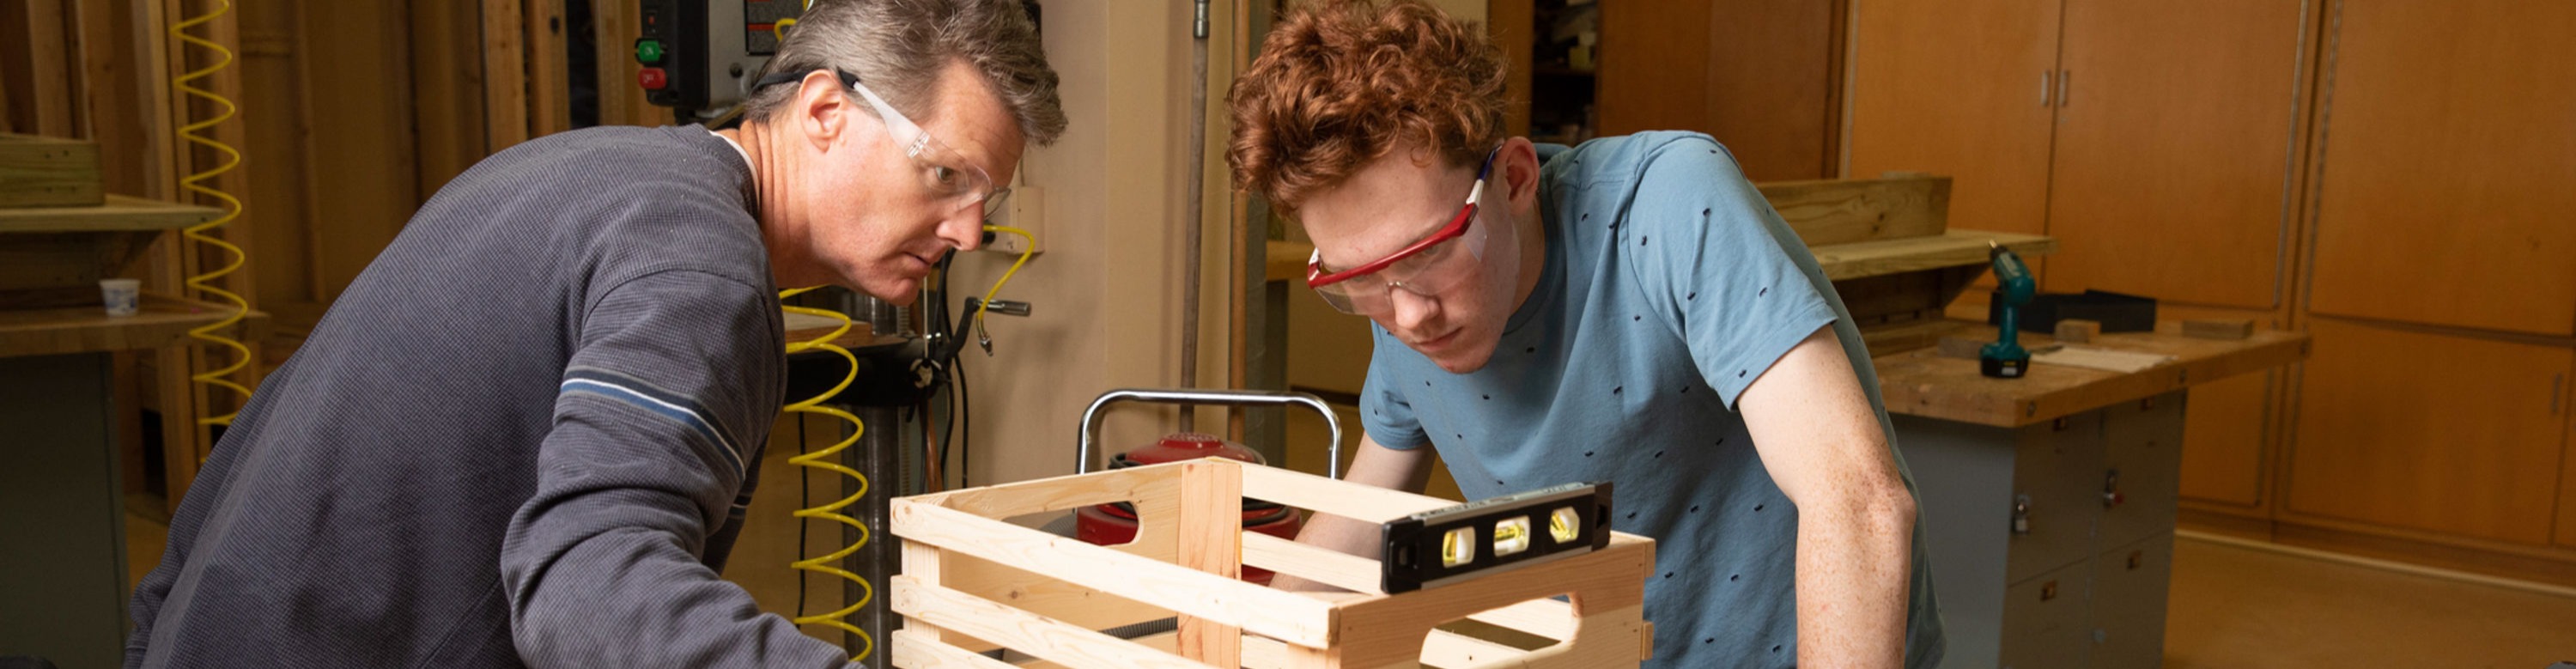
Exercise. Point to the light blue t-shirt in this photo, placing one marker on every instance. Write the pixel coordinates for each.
(1670, 286)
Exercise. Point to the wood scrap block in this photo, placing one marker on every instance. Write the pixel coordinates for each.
(49, 172)
(2078, 330)
(1842, 211)
(1961, 347)
(2218, 328)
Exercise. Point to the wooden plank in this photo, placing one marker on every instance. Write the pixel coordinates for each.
(118, 214)
(1313, 563)
(1277, 614)
(49, 100)
(1360, 502)
(505, 76)
(1954, 248)
(1607, 586)
(1046, 638)
(914, 649)
(621, 100)
(162, 321)
(1925, 383)
(1156, 486)
(1841, 211)
(49, 172)
(1211, 540)
(549, 79)
(448, 108)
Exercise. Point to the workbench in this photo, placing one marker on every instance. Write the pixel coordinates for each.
(62, 506)
(2048, 501)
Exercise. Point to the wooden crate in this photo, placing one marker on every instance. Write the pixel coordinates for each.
(48, 172)
(972, 581)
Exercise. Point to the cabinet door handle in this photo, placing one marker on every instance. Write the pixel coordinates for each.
(2065, 79)
(2044, 87)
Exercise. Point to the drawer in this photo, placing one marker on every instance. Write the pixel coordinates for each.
(2128, 607)
(2142, 468)
(2044, 620)
(2057, 470)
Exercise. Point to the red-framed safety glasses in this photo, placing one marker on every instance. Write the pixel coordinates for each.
(1349, 292)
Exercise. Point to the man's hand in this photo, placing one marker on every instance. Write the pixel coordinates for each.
(1374, 465)
(1813, 426)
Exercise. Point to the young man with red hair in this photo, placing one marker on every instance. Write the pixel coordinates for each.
(1628, 310)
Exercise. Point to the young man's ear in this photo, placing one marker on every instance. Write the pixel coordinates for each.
(1518, 164)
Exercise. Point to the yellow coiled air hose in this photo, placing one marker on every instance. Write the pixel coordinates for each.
(822, 459)
(232, 207)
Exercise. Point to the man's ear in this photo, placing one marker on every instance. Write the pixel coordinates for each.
(1518, 163)
(820, 108)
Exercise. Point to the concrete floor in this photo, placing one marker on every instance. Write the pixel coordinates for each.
(2241, 608)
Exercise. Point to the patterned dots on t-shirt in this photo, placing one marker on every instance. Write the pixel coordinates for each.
(1757, 508)
(1733, 577)
(1766, 290)
(1587, 454)
(1641, 240)
(1694, 508)
(1614, 390)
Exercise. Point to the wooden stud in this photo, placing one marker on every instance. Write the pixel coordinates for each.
(2218, 328)
(548, 75)
(505, 76)
(2078, 330)
(1211, 540)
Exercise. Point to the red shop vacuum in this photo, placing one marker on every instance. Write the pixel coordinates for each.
(1115, 523)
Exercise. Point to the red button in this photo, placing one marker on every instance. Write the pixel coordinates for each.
(652, 78)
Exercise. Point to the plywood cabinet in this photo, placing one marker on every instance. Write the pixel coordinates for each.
(2174, 152)
(1756, 74)
(2444, 192)
(1962, 89)
(2412, 429)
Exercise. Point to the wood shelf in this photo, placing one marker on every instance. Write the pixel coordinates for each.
(120, 214)
(162, 321)
(1954, 248)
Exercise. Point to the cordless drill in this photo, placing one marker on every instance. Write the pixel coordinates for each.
(2005, 358)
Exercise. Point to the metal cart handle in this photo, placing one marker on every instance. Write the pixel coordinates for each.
(1091, 416)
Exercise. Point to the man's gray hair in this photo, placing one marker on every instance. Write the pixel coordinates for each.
(899, 47)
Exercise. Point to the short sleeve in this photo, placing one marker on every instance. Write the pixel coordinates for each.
(1718, 265)
(1384, 410)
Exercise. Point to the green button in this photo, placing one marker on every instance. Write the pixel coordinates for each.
(648, 51)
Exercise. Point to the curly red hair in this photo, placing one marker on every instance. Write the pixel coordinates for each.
(1342, 82)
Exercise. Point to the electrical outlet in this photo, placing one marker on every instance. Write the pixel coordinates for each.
(1026, 210)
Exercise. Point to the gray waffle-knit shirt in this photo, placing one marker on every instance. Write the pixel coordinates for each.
(524, 436)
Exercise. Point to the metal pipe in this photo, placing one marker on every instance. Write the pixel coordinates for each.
(1198, 203)
(1185, 398)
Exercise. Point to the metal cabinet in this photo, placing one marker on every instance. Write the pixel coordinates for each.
(2052, 543)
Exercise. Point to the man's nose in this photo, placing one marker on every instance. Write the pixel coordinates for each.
(1411, 310)
(963, 229)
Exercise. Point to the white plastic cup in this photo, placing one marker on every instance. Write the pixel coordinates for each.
(124, 296)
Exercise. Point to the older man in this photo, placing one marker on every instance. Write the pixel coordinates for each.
(525, 435)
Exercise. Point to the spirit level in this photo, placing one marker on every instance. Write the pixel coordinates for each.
(1441, 546)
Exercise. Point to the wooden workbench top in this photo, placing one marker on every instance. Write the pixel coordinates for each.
(162, 320)
(1923, 383)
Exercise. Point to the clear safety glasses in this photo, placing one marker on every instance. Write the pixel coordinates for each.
(953, 182)
(1426, 267)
